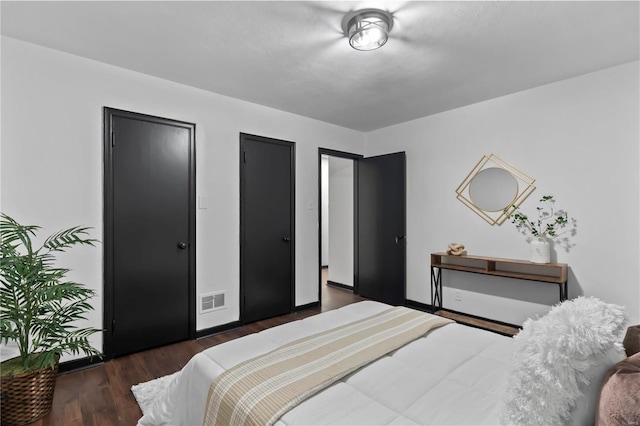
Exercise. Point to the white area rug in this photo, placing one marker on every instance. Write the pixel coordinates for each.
(145, 393)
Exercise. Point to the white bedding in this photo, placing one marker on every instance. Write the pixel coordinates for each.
(454, 375)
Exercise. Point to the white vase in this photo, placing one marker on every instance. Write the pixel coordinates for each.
(540, 250)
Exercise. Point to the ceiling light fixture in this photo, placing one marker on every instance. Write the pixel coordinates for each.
(367, 29)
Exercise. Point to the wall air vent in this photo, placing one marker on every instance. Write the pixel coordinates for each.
(207, 303)
(212, 301)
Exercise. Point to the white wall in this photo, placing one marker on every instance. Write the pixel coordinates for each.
(52, 162)
(579, 139)
(324, 194)
(341, 220)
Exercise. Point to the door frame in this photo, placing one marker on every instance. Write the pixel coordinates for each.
(355, 158)
(292, 189)
(108, 231)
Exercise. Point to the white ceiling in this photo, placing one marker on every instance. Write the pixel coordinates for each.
(293, 56)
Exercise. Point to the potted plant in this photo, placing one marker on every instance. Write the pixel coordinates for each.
(38, 311)
(548, 224)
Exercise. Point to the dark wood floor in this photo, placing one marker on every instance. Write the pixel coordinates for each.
(101, 395)
(505, 329)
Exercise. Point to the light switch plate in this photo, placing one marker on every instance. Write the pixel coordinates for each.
(202, 202)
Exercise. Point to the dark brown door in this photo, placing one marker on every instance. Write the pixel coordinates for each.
(381, 228)
(149, 231)
(267, 240)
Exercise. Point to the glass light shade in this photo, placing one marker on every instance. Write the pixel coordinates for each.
(367, 29)
(368, 34)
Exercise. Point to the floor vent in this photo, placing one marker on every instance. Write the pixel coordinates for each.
(212, 302)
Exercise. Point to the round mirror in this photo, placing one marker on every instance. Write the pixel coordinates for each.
(493, 189)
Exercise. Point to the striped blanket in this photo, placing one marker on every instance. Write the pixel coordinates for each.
(260, 390)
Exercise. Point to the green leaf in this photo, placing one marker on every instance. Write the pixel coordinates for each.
(39, 310)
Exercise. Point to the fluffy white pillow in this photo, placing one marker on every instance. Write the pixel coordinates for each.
(557, 356)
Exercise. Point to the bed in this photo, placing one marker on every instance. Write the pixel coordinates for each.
(454, 374)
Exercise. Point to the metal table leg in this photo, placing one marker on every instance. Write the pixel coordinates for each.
(436, 287)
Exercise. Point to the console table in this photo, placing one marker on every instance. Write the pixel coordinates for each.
(552, 273)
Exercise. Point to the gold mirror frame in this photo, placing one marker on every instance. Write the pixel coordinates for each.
(497, 217)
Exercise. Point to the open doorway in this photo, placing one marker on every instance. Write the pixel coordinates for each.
(378, 218)
(337, 178)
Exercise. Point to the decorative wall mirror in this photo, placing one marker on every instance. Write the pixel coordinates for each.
(494, 188)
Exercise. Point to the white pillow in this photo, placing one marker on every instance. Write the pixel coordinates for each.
(556, 358)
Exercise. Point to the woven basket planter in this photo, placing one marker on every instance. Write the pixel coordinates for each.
(28, 396)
